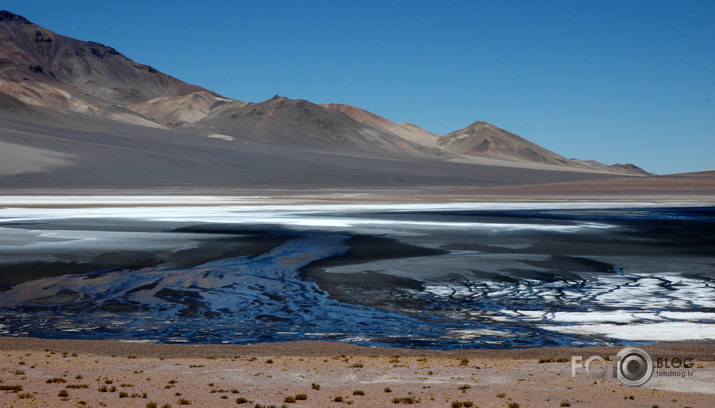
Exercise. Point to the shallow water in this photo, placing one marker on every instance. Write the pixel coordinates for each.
(449, 276)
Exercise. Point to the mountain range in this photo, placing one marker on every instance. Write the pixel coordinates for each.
(79, 114)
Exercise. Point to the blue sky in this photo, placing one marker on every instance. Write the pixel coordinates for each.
(614, 81)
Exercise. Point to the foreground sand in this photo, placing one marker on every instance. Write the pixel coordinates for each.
(115, 374)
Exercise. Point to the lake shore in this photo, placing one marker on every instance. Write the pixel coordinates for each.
(135, 374)
(690, 188)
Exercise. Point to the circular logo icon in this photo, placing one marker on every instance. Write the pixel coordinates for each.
(635, 367)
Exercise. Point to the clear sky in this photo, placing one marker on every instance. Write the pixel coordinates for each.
(614, 81)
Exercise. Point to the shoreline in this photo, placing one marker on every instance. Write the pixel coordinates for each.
(675, 189)
(69, 373)
(74, 201)
(702, 351)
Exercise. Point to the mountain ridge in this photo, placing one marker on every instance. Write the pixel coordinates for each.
(301, 122)
(43, 70)
(41, 67)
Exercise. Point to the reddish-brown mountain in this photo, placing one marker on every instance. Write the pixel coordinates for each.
(43, 68)
(76, 113)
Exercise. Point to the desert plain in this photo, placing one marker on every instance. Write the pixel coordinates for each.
(71, 373)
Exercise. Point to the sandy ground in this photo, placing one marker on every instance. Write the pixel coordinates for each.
(686, 188)
(56, 373)
(663, 192)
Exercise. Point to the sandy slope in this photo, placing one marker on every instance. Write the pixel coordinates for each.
(16, 159)
(112, 155)
(407, 131)
(180, 110)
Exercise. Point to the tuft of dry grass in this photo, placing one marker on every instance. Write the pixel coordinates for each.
(406, 400)
(13, 388)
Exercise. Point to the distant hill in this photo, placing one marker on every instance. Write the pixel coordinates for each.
(486, 140)
(483, 139)
(284, 121)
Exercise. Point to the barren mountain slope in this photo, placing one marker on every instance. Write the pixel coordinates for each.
(43, 68)
(85, 152)
(287, 122)
(405, 130)
(175, 111)
(69, 110)
(487, 140)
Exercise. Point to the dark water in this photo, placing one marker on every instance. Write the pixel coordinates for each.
(408, 277)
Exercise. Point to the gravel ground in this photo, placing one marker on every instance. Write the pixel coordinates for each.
(119, 374)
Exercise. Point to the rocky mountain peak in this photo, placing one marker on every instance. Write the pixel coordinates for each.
(7, 16)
